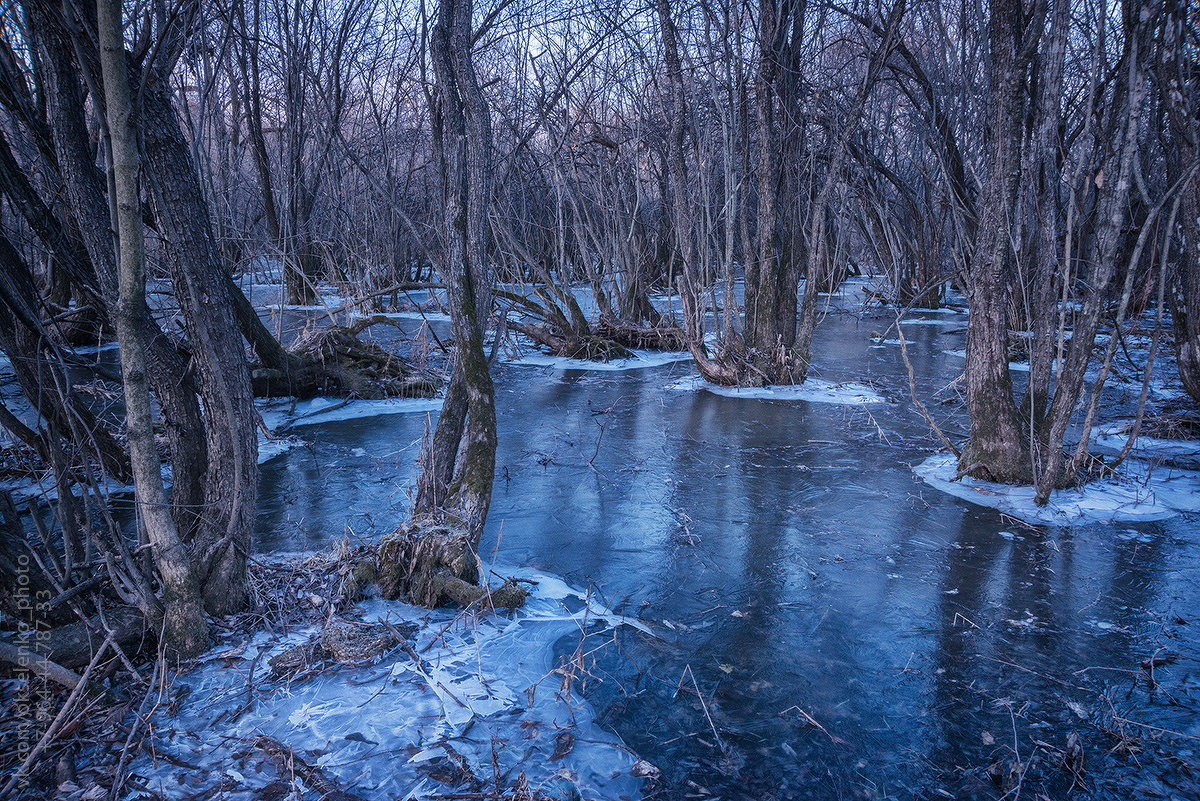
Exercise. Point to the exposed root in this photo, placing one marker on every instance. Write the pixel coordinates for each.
(734, 365)
(569, 334)
(334, 360)
(571, 345)
(663, 337)
(433, 564)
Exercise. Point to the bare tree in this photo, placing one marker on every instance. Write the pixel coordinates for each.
(185, 628)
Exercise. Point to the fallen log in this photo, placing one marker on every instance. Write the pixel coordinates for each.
(74, 644)
(27, 660)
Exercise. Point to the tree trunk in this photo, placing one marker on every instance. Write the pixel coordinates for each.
(170, 379)
(438, 550)
(201, 284)
(997, 449)
(1182, 100)
(184, 626)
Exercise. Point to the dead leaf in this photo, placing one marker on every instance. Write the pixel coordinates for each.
(564, 741)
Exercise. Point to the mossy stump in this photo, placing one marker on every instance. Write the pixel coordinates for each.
(432, 564)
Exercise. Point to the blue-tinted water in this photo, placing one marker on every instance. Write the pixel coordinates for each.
(827, 626)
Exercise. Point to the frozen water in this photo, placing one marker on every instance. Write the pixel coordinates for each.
(1140, 492)
(270, 448)
(641, 359)
(1111, 438)
(813, 390)
(1020, 367)
(486, 685)
(287, 413)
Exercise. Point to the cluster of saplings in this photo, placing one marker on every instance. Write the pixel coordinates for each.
(1040, 156)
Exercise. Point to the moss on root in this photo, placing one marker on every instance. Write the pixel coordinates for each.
(432, 564)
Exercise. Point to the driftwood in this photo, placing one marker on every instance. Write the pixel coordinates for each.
(75, 644)
(27, 660)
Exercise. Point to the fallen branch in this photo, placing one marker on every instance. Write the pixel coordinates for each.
(35, 663)
(312, 776)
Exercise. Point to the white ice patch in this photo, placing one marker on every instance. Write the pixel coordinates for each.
(268, 449)
(484, 685)
(282, 414)
(929, 321)
(1141, 492)
(1018, 367)
(641, 360)
(813, 390)
(1111, 438)
(430, 316)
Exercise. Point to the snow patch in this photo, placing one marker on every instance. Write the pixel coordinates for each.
(1141, 492)
(813, 390)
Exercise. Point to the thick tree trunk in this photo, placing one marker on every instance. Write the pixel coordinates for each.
(437, 552)
(1114, 180)
(1041, 224)
(1181, 97)
(170, 379)
(222, 540)
(185, 627)
(998, 449)
(770, 316)
(1185, 294)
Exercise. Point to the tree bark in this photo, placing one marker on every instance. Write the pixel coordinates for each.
(997, 449)
(467, 149)
(226, 519)
(172, 382)
(185, 627)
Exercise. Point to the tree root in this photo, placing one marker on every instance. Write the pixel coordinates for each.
(334, 360)
(432, 564)
(573, 346)
(662, 337)
(733, 365)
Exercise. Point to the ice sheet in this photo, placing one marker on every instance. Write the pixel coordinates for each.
(284, 413)
(486, 684)
(813, 390)
(641, 359)
(1111, 438)
(1140, 492)
(1020, 367)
